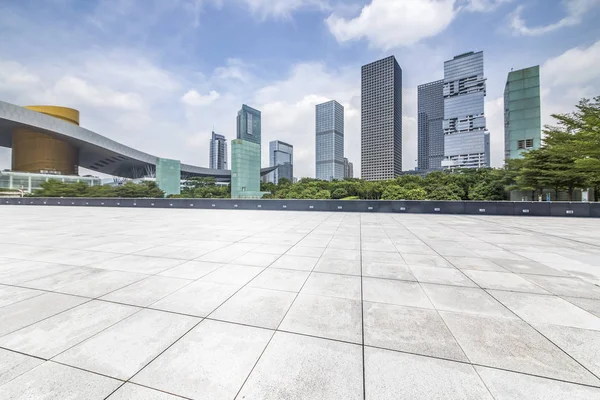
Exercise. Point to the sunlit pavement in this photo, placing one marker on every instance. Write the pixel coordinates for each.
(208, 304)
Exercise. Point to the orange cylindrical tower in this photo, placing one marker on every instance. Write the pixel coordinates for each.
(37, 152)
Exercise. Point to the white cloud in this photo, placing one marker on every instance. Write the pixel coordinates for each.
(15, 77)
(393, 23)
(574, 67)
(71, 89)
(485, 5)
(193, 98)
(235, 69)
(567, 78)
(282, 8)
(576, 11)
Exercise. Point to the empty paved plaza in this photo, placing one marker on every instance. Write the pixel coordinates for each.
(212, 304)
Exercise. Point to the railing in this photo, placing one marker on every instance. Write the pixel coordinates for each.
(554, 209)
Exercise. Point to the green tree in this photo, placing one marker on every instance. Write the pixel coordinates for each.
(339, 193)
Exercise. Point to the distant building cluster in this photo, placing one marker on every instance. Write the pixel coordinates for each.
(451, 133)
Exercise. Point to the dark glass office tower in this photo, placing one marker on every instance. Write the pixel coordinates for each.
(381, 119)
(218, 152)
(282, 155)
(430, 125)
(329, 151)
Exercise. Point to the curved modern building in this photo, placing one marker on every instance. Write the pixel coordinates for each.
(49, 140)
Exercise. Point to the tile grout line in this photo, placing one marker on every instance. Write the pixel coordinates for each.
(470, 362)
(188, 331)
(288, 310)
(362, 308)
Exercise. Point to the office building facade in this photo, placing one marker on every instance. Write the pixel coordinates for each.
(329, 152)
(348, 169)
(245, 155)
(381, 119)
(522, 112)
(218, 152)
(430, 130)
(281, 154)
(466, 140)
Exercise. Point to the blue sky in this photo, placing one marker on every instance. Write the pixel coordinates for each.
(158, 75)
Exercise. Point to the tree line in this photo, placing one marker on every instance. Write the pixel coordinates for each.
(55, 188)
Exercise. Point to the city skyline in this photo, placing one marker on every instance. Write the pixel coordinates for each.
(162, 86)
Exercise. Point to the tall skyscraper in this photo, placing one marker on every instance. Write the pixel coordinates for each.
(218, 151)
(281, 154)
(522, 112)
(245, 155)
(381, 119)
(330, 141)
(466, 140)
(348, 169)
(430, 125)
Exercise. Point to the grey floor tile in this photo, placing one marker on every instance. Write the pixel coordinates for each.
(334, 285)
(56, 334)
(272, 249)
(138, 263)
(210, 362)
(14, 364)
(563, 286)
(506, 385)
(305, 251)
(256, 259)
(503, 281)
(280, 279)
(300, 263)
(389, 271)
(13, 294)
(130, 391)
(543, 309)
(191, 270)
(342, 254)
(101, 283)
(513, 345)
(590, 305)
(475, 263)
(18, 315)
(528, 267)
(382, 257)
(232, 274)
(147, 291)
(21, 271)
(326, 317)
(296, 367)
(390, 375)
(123, 349)
(445, 276)
(51, 381)
(465, 300)
(258, 307)
(408, 329)
(581, 344)
(337, 266)
(424, 260)
(176, 252)
(198, 298)
(392, 291)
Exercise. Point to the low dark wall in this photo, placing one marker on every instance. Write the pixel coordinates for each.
(418, 207)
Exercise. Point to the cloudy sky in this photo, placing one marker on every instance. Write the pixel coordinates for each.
(159, 75)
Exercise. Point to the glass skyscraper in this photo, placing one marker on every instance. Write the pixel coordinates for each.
(430, 125)
(281, 154)
(330, 141)
(245, 155)
(348, 169)
(218, 152)
(522, 112)
(466, 140)
(381, 120)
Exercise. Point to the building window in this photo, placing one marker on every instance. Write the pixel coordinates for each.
(520, 144)
(249, 124)
(529, 143)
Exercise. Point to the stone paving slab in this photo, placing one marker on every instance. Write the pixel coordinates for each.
(224, 304)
